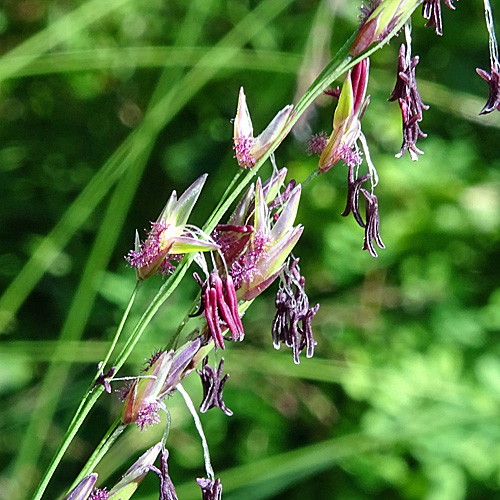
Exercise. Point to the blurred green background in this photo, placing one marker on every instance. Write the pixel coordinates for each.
(106, 106)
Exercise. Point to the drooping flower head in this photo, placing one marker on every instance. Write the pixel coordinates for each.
(347, 119)
(407, 94)
(170, 235)
(292, 323)
(249, 149)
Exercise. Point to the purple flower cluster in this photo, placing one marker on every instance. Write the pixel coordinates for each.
(292, 323)
(410, 102)
(213, 384)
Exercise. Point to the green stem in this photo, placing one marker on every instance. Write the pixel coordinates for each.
(311, 176)
(83, 410)
(117, 427)
(120, 328)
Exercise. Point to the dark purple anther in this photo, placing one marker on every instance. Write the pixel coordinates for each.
(372, 229)
(353, 190)
(213, 384)
(431, 10)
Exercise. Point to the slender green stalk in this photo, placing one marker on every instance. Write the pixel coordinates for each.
(117, 427)
(120, 329)
(310, 177)
(83, 410)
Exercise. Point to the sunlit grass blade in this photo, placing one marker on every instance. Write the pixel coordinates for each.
(157, 57)
(56, 33)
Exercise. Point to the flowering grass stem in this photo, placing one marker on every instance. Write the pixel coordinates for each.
(85, 406)
(166, 432)
(117, 427)
(341, 63)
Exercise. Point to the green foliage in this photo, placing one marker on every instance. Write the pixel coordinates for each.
(106, 106)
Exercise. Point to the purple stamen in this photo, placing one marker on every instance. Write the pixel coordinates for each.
(213, 384)
(167, 489)
(353, 191)
(431, 10)
(292, 323)
(372, 229)
(493, 81)
(410, 102)
(212, 317)
(210, 490)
